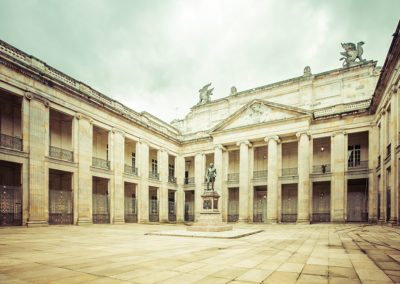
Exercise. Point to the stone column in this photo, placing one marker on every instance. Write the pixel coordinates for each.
(304, 178)
(372, 164)
(244, 180)
(38, 134)
(394, 112)
(273, 174)
(163, 170)
(180, 194)
(118, 160)
(224, 191)
(338, 162)
(143, 194)
(199, 161)
(85, 145)
(382, 181)
(218, 164)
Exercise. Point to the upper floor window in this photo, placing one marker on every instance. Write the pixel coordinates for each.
(354, 155)
(171, 170)
(154, 166)
(133, 160)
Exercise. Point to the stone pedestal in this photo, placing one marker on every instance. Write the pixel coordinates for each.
(210, 219)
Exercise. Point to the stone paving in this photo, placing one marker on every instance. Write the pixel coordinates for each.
(323, 253)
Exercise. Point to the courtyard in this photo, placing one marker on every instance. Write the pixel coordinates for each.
(319, 253)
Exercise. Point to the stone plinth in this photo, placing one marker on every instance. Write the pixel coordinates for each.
(210, 219)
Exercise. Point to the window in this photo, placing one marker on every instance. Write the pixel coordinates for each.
(154, 166)
(354, 155)
(133, 160)
(171, 170)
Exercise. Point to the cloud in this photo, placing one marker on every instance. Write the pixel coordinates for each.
(155, 55)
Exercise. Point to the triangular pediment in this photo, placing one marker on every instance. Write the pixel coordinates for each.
(257, 112)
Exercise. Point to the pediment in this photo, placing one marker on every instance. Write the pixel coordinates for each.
(257, 112)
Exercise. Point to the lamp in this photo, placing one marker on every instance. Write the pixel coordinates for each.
(322, 149)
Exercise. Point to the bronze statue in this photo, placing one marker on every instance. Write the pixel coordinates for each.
(210, 178)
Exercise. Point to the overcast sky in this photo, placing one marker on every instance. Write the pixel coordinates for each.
(156, 55)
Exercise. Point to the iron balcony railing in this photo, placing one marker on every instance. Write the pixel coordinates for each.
(388, 150)
(154, 175)
(357, 165)
(260, 174)
(188, 181)
(11, 142)
(129, 170)
(233, 177)
(289, 172)
(322, 169)
(61, 154)
(172, 179)
(100, 163)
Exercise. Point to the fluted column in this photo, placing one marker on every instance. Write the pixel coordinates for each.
(199, 160)
(38, 187)
(273, 173)
(304, 178)
(218, 164)
(143, 195)
(244, 180)
(118, 160)
(180, 194)
(339, 159)
(372, 178)
(163, 170)
(85, 145)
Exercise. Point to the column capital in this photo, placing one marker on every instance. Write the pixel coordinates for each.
(339, 132)
(30, 96)
(246, 142)
(275, 138)
(199, 153)
(300, 133)
(220, 147)
(80, 116)
(118, 131)
(144, 141)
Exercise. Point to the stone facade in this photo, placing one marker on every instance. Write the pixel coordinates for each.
(316, 148)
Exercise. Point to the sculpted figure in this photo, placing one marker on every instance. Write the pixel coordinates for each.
(211, 174)
(352, 52)
(205, 94)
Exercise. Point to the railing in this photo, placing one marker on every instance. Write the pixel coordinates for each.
(260, 174)
(357, 165)
(322, 169)
(61, 154)
(154, 175)
(100, 163)
(129, 170)
(289, 172)
(388, 150)
(188, 181)
(10, 142)
(233, 177)
(172, 179)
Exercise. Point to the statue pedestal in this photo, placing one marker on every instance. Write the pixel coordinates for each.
(210, 218)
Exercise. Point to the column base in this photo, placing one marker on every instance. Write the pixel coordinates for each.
(381, 221)
(243, 220)
(338, 222)
(118, 221)
(84, 221)
(373, 220)
(393, 222)
(303, 222)
(272, 221)
(37, 223)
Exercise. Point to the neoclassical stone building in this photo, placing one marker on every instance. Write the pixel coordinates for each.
(315, 148)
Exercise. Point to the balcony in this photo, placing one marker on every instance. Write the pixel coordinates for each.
(10, 142)
(188, 181)
(172, 179)
(357, 165)
(100, 163)
(129, 170)
(289, 172)
(61, 154)
(257, 175)
(322, 169)
(154, 176)
(233, 177)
